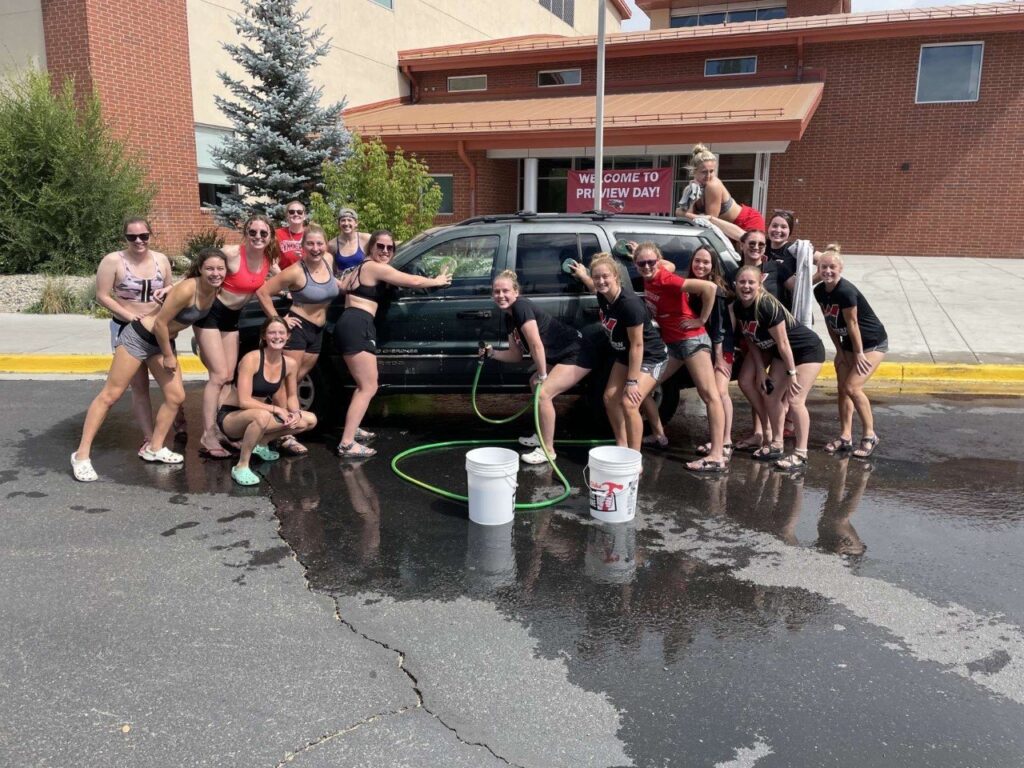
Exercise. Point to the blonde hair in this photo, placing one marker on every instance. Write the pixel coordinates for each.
(700, 155)
(833, 250)
(648, 245)
(509, 275)
(607, 260)
(763, 296)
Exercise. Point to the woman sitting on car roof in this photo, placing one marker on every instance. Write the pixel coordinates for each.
(714, 201)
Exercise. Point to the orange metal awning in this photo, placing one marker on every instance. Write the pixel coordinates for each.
(757, 113)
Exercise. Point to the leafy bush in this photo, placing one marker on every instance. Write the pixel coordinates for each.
(398, 195)
(204, 238)
(65, 184)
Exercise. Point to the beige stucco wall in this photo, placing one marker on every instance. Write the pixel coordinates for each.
(366, 38)
(659, 18)
(21, 35)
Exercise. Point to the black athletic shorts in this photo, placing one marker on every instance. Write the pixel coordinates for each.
(220, 317)
(223, 411)
(355, 332)
(582, 354)
(805, 353)
(308, 337)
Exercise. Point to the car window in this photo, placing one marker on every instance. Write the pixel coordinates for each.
(676, 248)
(539, 258)
(470, 259)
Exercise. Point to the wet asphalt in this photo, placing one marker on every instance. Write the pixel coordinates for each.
(862, 613)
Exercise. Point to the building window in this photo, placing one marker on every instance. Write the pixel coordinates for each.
(389, 4)
(446, 183)
(213, 182)
(737, 172)
(744, 65)
(563, 9)
(949, 72)
(467, 83)
(733, 13)
(554, 77)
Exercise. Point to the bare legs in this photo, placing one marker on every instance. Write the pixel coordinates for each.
(258, 426)
(851, 393)
(560, 378)
(748, 386)
(122, 371)
(623, 413)
(780, 399)
(219, 353)
(142, 406)
(363, 367)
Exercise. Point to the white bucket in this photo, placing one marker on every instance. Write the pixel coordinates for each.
(491, 476)
(614, 478)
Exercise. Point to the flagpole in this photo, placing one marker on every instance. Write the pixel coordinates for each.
(599, 116)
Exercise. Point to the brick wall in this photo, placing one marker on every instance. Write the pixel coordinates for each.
(134, 55)
(966, 161)
(796, 8)
(496, 183)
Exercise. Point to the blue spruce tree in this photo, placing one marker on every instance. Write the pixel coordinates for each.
(282, 136)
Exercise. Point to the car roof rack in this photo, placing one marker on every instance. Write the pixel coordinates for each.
(493, 218)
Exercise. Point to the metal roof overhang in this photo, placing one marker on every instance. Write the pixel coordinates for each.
(757, 113)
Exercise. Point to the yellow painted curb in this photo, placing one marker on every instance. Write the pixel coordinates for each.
(77, 364)
(939, 378)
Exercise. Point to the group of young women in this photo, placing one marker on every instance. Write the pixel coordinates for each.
(702, 322)
(253, 402)
(698, 321)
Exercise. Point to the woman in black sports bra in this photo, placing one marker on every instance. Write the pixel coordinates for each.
(355, 336)
(263, 404)
(149, 342)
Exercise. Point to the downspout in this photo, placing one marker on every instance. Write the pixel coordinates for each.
(472, 177)
(414, 86)
(800, 59)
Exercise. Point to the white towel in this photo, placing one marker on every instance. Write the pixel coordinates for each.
(803, 296)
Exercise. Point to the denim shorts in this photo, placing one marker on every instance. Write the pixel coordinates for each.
(687, 348)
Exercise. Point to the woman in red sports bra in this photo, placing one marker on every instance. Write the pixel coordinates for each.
(715, 201)
(217, 333)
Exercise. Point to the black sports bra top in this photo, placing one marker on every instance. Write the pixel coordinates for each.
(371, 292)
(263, 389)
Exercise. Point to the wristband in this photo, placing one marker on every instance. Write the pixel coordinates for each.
(632, 382)
(791, 372)
(542, 377)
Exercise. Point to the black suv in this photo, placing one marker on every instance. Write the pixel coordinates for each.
(428, 339)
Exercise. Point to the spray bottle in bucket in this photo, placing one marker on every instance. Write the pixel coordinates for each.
(613, 478)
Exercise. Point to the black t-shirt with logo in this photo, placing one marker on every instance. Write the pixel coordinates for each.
(785, 261)
(628, 311)
(755, 320)
(844, 296)
(557, 337)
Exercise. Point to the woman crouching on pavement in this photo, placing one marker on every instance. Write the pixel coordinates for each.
(793, 354)
(313, 288)
(861, 343)
(688, 344)
(636, 345)
(355, 336)
(560, 353)
(258, 409)
(149, 341)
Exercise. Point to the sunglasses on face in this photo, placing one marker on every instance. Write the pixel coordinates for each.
(258, 233)
(756, 246)
(296, 212)
(383, 247)
(647, 263)
(144, 237)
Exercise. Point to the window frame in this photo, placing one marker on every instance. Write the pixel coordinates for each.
(578, 70)
(388, 5)
(451, 176)
(730, 58)
(466, 77)
(920, 59)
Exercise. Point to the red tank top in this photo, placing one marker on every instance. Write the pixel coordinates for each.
(243, 281)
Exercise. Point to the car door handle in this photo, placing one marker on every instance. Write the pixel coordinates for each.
(479, 314)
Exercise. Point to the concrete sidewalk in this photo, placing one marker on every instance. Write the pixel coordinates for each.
(944, 317)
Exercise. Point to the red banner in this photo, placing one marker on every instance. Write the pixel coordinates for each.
(628, 190)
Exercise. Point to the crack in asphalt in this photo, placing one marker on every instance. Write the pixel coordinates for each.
(289, 757)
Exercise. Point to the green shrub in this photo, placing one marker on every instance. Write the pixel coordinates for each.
(65, 184)
(58, 297)
(393, 192)
(196, 241)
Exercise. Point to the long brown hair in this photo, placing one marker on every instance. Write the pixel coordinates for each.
(273, 250)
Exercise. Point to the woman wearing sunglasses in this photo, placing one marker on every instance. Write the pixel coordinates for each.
(217, 333)
(351, 246)
(355, 336)
(148, 342)
(289, 237)
(668, 298)
(131, 283)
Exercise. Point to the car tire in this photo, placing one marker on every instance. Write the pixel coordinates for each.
(314, 395)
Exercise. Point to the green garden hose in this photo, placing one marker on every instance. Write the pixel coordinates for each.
(566, 488)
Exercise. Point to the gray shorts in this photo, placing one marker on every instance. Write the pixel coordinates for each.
(883, 347)
(687, 348)
(116, 326)
(140, 343)
(653, 369)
